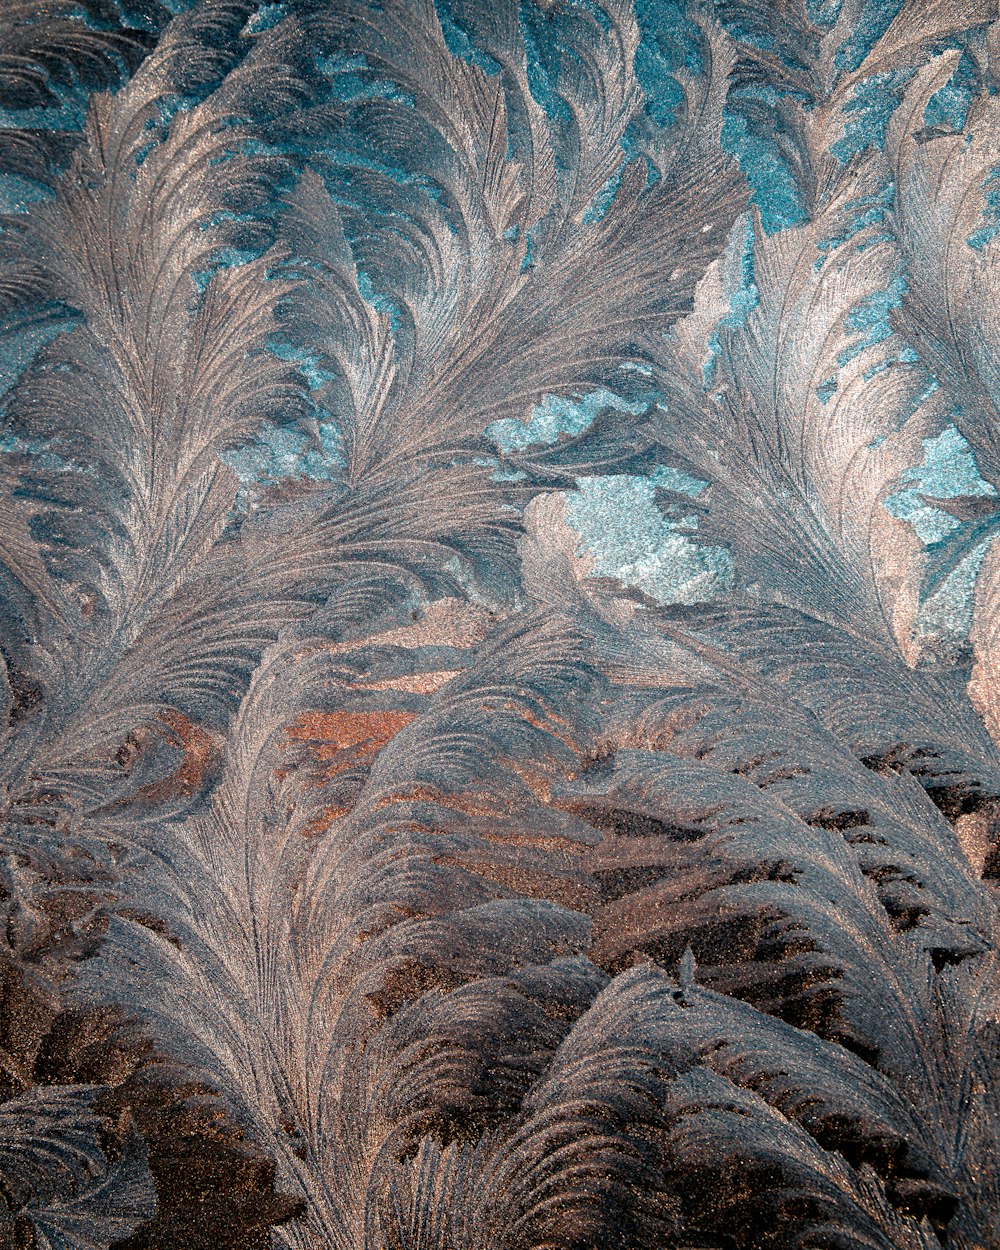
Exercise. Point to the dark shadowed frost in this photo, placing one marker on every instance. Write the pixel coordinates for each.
(500, 625)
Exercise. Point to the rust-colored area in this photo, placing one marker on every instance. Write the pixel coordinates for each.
(319, 824)
(342, 741)
(348, 738)
(529, 880)
(535, 777)
(473, 803)
(201, 754)
(200, 751)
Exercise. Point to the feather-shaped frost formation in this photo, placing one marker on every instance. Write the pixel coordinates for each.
(500, 625)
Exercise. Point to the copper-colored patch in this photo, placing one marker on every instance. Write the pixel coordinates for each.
(973, 831)
(201, 753)
(319, 824)
(537, 781)
(199, 749)
(527, 880)
(348, 738)
(470, 802)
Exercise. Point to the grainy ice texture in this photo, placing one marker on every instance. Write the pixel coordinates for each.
(499, 624)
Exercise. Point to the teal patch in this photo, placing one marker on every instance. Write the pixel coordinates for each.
(554, 416)
(266, 18)
(775, 192)
(955, 548)
(743, 299)
(623, 531)
(870, 110)
(948, 470)
(868, 27)
(281, 452)
(946, 615)
(948, 107)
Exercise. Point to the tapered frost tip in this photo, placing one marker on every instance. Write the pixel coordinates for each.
(686, 969)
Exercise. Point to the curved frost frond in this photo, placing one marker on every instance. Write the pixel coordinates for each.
(55, 1174)
(480, 484)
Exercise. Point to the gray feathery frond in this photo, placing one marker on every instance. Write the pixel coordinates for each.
(54, 1173)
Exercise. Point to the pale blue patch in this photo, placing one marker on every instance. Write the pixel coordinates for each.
(528, 259)
(664, 94)
(557, 415)
(823, 13)
(18, 350)
(772, 183)
(949, 467)
(266, 17)
(307, 363)
(366, 161)
(905, 356)
(459, 44)
(145, 150)
(742, 301)
(74, 96)
(947, 614)
(871, 316)
(668, 478)
(875, 239)
(501, 473)
(41, 454)
(17, 194)
(353, 80)
(225, 258)
(324, 462)
(281, 452)
(991, 213)
(948, 470)
(340, 63)
(744, 31)
(931, 524)
(948, 107)
(536, 31)
(603, 200)
(826, 390)
(596, 12)
(289, 451)
(378, 301)
(868, 29)
(746, 297)
(66, 116)
(755, 128)
(668, 43)
(166, 108)
(865, 211)
(871, 107)
(627, 537)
